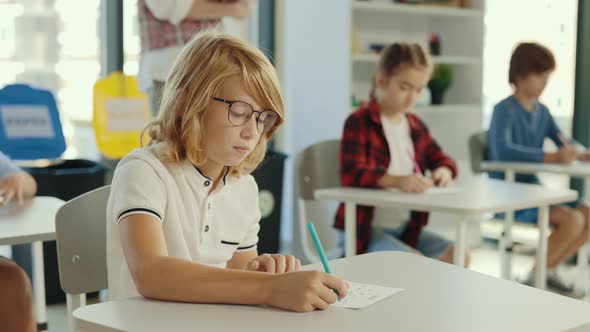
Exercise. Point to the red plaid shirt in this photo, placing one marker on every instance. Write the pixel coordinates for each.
(364, 159)
(157, 33)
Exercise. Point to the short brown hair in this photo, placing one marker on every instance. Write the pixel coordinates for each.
(198, 74)
(530, 58)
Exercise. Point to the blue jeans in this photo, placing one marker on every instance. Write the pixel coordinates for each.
(389, 239)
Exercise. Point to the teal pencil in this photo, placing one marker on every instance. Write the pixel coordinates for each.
(320, 250)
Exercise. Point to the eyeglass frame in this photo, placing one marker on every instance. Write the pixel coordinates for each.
(259, 112)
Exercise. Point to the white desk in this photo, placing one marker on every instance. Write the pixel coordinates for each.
(576, 170)
(477, 197)
(437, 297)
(34, 222)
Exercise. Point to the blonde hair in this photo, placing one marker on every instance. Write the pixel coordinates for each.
(397, 56)
(198, 74)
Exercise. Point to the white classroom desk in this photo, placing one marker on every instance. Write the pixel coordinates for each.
(34, 222)
(436, 297)
(477, 196)
(576, 170)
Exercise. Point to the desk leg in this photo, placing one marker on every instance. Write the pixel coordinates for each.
(506, 246)
(541, 267)
(506, 237)
(460, 242)
(350, 228)
(39, 285)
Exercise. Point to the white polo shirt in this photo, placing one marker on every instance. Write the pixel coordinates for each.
(198, 226)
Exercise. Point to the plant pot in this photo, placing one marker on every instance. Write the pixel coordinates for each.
(436, 98)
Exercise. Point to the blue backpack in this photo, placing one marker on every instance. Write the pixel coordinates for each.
(29, 124)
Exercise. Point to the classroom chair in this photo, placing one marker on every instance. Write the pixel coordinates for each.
(317, 168)
(80, 227)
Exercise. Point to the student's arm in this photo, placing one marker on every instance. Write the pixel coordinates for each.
(203, 9)
(175, 11)
(158, 276)
(567, 151)
(501, 144)
(432, 155)
(355, 169)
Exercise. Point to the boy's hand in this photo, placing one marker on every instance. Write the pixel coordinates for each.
(304, 291)
(415, 183)
(274, 263)
(566, 154)
(584, 156)
(442, 176)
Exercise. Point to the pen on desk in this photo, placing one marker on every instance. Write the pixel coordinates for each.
(320, 250)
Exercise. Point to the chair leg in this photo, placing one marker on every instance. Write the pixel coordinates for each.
(506, 247)
(74, 301)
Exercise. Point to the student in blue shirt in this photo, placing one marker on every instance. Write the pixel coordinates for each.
(519, 126)
(16, 304)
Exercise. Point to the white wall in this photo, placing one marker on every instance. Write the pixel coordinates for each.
(313, 44)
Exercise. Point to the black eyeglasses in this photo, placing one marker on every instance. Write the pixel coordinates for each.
(239, 112)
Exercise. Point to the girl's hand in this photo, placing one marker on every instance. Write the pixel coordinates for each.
(415, 183)
(442, 176)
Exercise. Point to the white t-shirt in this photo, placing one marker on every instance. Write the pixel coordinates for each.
(401, 147)
(198, 226)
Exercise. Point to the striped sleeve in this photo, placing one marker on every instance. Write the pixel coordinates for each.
(137, 189)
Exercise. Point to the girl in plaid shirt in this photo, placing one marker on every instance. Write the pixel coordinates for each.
(386, 146)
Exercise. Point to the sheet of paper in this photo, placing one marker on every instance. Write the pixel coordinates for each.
(436, 190)
(362, 295)
(444, 190)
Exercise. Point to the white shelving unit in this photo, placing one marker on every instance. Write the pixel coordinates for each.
(461, 35)
(425, 10)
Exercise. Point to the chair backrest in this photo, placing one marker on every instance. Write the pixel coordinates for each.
(317, 168)
(80, 229)
(80, 226)
(478, 149)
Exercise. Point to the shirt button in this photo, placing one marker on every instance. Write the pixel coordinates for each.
(209, 206)
(206, 228)
(207, 183)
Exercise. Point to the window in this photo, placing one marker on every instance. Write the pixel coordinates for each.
(549, 22)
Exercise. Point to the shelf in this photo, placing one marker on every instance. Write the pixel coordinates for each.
(425, 10)
(453, 60)
(447, 108)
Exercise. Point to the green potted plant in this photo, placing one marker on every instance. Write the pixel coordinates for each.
(441, 80)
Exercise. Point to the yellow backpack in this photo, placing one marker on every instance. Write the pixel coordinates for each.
(121, 112)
